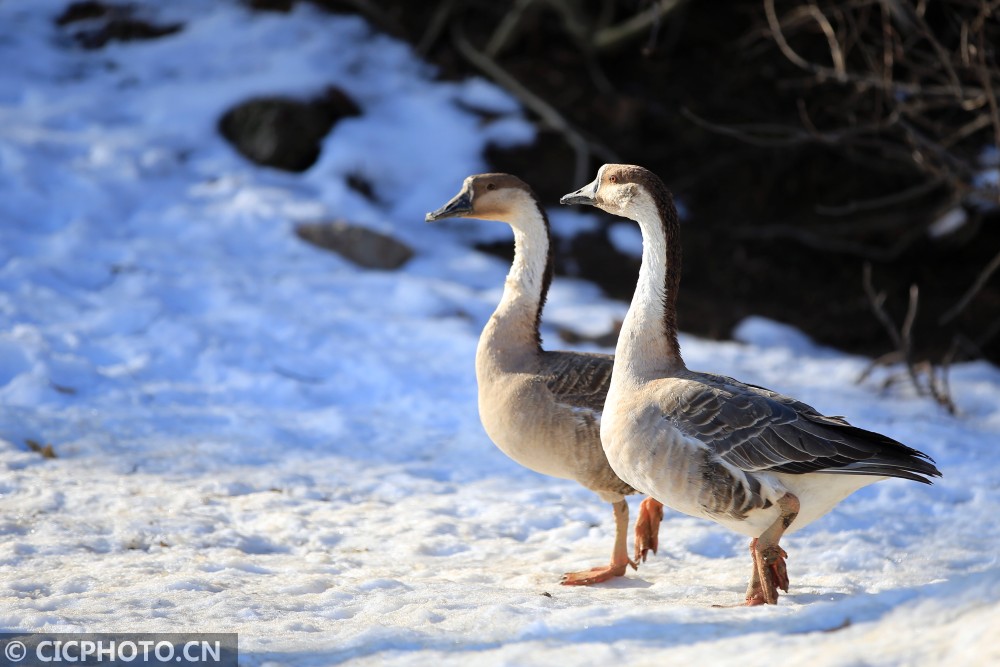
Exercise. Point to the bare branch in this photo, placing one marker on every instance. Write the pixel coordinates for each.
(986, 77)
(944, 58)
(771, 135)
(906, 330)
(612, 36)
(936, 385)
(839, 63)
(902, 338)
(971, 293)
(435, 27)
(568, 10)
(877, 302)
(503, 33)
(829, 244)
(582, 147)
(975, 125)
(887, 359)
(779, 38)
(573, 26)
(900, 197)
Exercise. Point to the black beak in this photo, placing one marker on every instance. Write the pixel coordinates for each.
(584, 195)
(460, 204)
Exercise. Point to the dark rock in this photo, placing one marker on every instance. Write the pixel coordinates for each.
(82, 11)
(283, 6)
(108, 23)
(123, 30)
(46, 451)
(362, 246)
(284, 133)
(362, 186)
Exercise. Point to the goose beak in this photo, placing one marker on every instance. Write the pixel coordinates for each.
(460, 205)
(584, 195)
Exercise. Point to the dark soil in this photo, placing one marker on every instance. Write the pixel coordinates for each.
(754, 240)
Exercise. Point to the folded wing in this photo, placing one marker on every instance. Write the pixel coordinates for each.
(756, 429)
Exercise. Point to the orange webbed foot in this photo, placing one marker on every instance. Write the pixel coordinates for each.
(596, 575)
(769, 575)
(647, 528)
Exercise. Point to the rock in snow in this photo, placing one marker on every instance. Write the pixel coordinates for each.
(360, 245)
(285, 133)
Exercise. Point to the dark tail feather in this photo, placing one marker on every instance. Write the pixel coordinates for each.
(885, 471)
(890, 458)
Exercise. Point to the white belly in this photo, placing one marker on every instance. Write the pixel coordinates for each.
(818, 493)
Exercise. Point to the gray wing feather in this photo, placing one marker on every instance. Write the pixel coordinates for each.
(756, 429)
(578, 379)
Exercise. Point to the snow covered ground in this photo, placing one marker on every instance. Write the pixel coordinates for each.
(254, 435)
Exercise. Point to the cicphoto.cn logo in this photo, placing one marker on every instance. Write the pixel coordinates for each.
(31, 650)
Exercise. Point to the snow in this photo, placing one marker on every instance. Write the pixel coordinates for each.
(990, 156)
(254, 435)
(988, 179)
(948, 223)
(626, 239)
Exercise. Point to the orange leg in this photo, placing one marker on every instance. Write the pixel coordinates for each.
(769, 571)
(769, 574)
(647, 528)
(619, 557)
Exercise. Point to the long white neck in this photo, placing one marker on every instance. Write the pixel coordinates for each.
(514, 325)
(647, 345)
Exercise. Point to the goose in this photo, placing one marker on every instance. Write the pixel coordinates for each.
(755, 461)
(543, 408)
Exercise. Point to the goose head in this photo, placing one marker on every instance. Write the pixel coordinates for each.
(489, 197)
(619, 189)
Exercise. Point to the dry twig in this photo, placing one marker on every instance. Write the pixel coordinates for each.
(925, 378)
(582, 147)
(612, 36)
(436, 27)
(924, 93)
(971, 293)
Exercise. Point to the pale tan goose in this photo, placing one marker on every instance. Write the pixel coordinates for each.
(757, 462)
(543, 409)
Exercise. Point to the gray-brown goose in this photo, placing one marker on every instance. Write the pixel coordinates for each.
(541, 408)
(757, 462)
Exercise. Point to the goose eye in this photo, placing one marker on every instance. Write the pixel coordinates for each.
(491, 186)
(613, 178)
